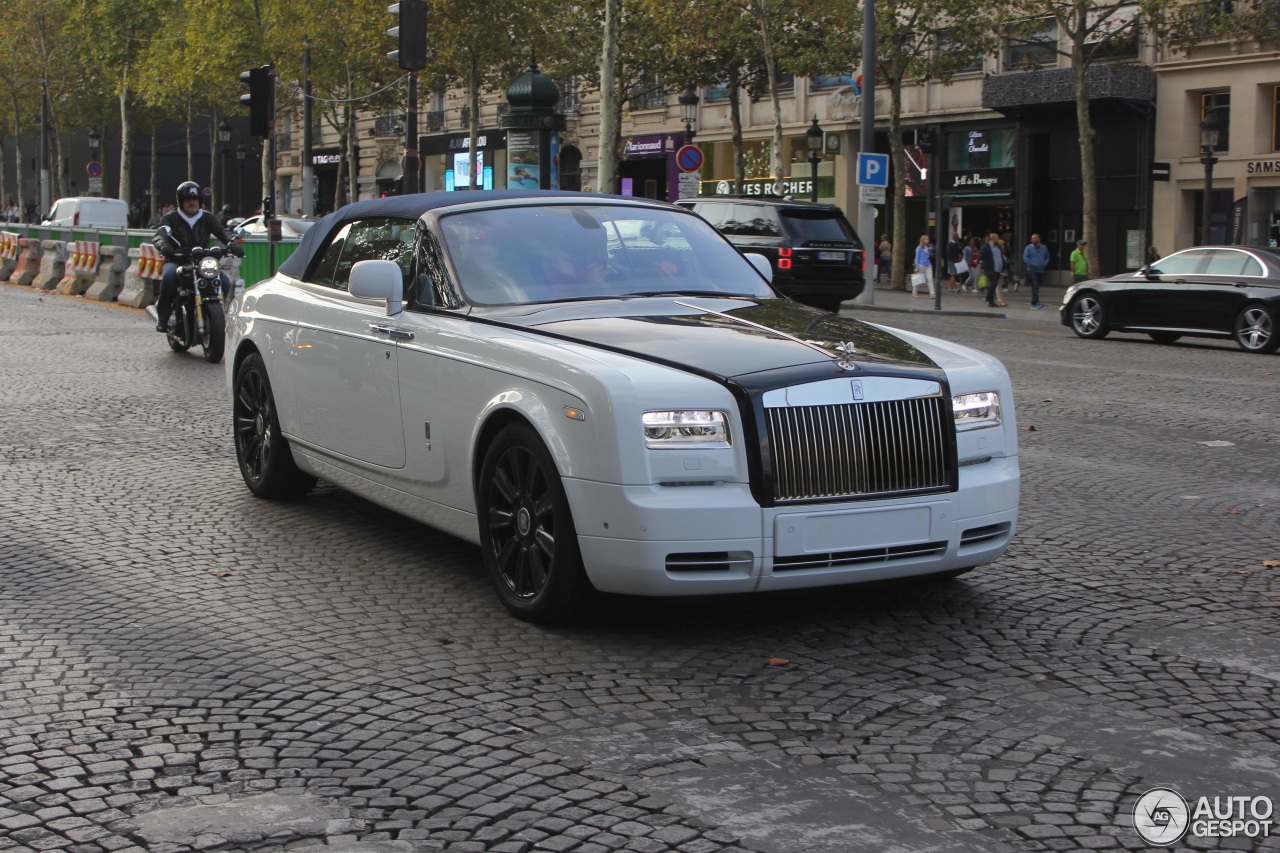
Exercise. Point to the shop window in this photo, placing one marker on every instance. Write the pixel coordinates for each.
(952, 44)
(1220, 104)
(718, 92)
(647, 98)
(831, 81)
(1037, 49)
(786, 84)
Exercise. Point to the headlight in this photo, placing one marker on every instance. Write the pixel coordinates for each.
(685, 428)
(976, 411)
(208, 268)
(1071, 291)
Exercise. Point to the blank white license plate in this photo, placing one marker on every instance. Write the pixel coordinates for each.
(831, 256)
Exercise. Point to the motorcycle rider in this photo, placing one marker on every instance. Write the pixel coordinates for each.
(192, 227)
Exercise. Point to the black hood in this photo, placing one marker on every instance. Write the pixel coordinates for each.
(729, 338)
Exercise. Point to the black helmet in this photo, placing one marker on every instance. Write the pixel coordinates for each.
(186, 190)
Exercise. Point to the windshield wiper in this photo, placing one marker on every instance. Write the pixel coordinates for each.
(688, 293)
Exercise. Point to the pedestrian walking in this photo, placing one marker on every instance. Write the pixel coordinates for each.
(955, 261)
(1080, 262)
(884, 265)
(924, 267)
(1036, 260)
(971, 250)
(991, 260)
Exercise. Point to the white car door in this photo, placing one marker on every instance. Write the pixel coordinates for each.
(345, 362)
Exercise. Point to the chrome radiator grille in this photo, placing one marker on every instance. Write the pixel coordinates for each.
(860, 449)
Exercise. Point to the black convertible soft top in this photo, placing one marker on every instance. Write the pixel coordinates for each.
(411, 207)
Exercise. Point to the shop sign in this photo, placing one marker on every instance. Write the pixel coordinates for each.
(979, 180)
(326, 159)
(650, 146)
(1263, 167)
(801, 188)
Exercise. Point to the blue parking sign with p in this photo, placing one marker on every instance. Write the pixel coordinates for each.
(873, 170)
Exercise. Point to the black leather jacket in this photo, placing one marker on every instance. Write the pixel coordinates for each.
(206, 226)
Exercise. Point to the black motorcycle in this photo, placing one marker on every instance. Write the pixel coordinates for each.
(197, 316)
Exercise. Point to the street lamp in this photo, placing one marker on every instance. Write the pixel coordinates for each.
(95, 142)
(224, 136)
(813, 137)
(1208, 144)
(240, 152)
(689, 113)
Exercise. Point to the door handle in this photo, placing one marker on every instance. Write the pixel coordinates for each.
(389, 331)
(401, 334)
(1240, 284)
(379, 330)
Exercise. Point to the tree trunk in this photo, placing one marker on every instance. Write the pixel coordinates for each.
(125, 191)
(156, 204)
(17, 155)
(610, 113)
(1088, 169)
(903, 254)
(473, 125)
(735, 118)
(771, 69)
(353, 171)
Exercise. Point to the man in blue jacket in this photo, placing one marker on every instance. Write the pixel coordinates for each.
(1036, 259)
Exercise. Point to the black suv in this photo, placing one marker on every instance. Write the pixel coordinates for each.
(816, 255)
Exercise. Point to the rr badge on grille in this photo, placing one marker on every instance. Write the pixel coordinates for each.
(857, 389)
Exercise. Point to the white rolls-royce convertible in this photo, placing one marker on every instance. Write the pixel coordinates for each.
(605, 395)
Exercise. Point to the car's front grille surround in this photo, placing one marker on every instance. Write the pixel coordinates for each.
(858, 450)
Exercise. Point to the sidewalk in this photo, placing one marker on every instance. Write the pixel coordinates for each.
(966, 304)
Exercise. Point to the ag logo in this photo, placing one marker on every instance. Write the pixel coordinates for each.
(1161, 816)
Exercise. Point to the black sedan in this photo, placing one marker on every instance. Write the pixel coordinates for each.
(1208, 292)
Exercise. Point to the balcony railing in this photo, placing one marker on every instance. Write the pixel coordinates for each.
(1057, 86)
(434, 121)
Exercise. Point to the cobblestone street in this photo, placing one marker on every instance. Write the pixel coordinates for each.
(186, 667)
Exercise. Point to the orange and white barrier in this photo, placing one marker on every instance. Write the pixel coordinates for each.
(150, 261)
(142, 278)
(81, 267)
(28, 261)
(8, 254)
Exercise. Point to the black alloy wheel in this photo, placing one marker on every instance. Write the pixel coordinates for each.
(266, 463)
(1089, 316)
(1255, 329)
(214, 340)
(527, 535)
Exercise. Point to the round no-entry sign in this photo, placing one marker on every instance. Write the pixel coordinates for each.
(689, 158)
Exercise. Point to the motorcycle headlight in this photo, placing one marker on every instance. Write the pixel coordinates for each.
(685, 428)
(976, 411)
(208, 268)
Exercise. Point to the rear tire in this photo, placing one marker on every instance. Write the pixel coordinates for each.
(1255, 329)
(215, 333)
(266, 463)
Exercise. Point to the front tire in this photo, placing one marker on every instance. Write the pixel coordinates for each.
(214, 341)
(527, 535)
(1255, 329)
(1089, 316)
(266, 463)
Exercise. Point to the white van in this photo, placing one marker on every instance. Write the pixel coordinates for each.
(85, 212)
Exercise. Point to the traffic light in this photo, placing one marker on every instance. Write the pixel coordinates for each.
(410, 34)
(260, 98)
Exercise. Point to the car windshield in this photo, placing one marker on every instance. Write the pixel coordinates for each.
(550, 253)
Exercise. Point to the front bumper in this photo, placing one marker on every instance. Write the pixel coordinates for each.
(697, 540)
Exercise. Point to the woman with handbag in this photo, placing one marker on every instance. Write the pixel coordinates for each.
(924, 267)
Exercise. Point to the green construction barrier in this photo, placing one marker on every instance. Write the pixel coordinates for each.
(256, 266)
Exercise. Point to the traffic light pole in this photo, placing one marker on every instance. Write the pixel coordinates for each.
(410, 180)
